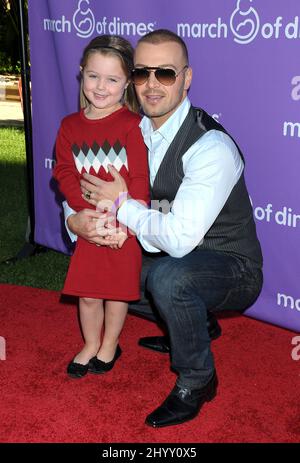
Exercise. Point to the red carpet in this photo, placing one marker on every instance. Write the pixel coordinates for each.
(258, 399)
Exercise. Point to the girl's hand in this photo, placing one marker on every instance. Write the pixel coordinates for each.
(116, 240)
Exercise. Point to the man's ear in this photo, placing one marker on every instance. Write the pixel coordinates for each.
(188, 78)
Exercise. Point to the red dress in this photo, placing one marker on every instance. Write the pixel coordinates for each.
(89, 145)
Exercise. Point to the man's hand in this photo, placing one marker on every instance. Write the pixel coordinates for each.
(88, 224)
(104, 192)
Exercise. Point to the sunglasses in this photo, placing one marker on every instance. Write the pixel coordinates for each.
(165, 76)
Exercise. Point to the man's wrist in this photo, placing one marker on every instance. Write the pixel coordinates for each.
(121, 199)
(70, 223)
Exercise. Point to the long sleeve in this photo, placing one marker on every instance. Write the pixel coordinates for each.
(138, 186)
(212, 166)
(103, 137)
(65, 172)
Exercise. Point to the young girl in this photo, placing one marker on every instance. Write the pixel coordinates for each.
(103, 132)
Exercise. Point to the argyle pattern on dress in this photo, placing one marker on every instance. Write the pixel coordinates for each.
(95, 156)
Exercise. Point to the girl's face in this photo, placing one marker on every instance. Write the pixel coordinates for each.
(104, 82)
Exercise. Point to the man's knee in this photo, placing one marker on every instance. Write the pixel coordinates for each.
(164, 277)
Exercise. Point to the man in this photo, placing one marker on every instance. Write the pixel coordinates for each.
(203, 252)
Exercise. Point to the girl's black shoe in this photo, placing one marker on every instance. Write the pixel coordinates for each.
(99, 367)
(77, 370)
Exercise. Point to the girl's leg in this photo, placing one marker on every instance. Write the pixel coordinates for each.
(91, 319)
(115, 314)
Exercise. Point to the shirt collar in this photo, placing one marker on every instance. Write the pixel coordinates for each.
(170, 128)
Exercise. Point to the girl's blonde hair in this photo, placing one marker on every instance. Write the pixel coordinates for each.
(113, 45)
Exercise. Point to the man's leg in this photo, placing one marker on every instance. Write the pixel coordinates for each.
(162, 343)
(145, 308)
(183, 290)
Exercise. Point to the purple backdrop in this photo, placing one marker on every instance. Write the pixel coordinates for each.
(246, 73)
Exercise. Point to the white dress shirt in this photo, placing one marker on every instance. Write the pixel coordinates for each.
(212, 166)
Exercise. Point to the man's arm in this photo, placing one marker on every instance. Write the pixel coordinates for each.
(68, 212)
(211, 168)
(88, 224)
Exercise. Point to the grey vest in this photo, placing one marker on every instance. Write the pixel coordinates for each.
(234, 230)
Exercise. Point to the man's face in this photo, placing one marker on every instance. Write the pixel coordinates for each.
(157, 100)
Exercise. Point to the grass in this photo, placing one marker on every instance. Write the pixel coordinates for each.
(44, 270)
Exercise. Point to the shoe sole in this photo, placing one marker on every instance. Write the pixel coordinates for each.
(170, 424)
(154, 350)
(75, 376)
(99, 372)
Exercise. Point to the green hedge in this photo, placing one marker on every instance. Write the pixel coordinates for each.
(45, 270)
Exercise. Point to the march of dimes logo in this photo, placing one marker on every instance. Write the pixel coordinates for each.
(86, 24)
(244, 24)
(84, 19)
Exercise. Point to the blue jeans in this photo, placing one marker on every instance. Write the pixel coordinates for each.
(182, 291)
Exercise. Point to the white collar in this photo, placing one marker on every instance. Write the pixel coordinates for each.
(170, 128)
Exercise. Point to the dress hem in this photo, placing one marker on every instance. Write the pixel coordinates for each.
(114, 297)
